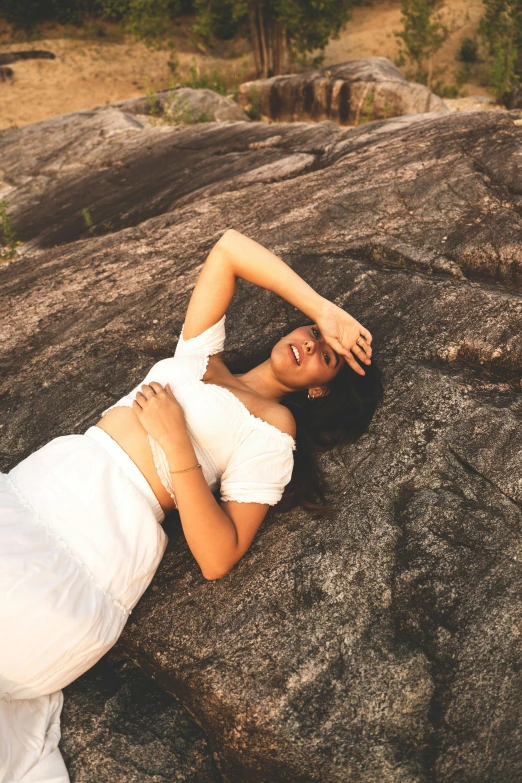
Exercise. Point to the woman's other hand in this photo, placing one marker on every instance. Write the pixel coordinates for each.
(159, 413)
(345, 335)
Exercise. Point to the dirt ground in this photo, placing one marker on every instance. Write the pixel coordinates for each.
(370, 34)
(97, 64)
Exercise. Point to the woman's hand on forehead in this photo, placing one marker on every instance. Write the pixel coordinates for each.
(346, 336)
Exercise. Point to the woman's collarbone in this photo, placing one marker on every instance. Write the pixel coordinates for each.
(258, 406)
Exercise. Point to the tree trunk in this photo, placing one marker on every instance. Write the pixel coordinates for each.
(262, 37)
(507, 65)
(269, 40)
(254, 34)
(278, 48)
(288, 59)
(283, 51)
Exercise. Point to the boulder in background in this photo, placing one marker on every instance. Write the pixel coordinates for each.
(349, 93)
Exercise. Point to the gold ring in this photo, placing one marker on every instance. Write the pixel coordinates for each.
(359, 338)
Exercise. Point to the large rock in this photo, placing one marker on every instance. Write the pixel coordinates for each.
(119, 727)
(349, 93)
(383, 643)
(185, 105)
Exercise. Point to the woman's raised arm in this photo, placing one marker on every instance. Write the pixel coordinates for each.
(237, 256)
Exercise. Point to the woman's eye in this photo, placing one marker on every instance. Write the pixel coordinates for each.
(315, 331)
(326, 358)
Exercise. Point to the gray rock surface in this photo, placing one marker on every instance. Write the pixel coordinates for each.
(350, 93)
(185, 105)
(119, 727)
(383, 644)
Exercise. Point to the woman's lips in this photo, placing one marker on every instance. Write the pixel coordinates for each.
(293, 355)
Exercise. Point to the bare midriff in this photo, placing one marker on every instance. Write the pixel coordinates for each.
(123, 426)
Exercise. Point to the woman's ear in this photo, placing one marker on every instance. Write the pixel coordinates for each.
(318, 391)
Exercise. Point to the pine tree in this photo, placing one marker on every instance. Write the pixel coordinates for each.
(423, 33)
(501, 32)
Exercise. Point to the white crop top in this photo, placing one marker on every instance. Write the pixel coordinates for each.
(251, 458)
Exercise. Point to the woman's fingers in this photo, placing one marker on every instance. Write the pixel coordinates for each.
(357, 346)
(146, 391)
(362, 349)
(354, 364)
(364, 341)
(366, 334)
(150, 390)
(359, 349)
(157, 387)
(361, 353)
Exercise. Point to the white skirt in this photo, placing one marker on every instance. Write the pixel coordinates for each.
(80, 541)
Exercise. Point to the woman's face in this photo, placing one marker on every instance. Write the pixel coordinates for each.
(302, 360)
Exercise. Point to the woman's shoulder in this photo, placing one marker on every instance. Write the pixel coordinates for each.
(274, 420)
(279, 416)
(269, 411)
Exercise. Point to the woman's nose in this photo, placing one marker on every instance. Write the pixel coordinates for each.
(309, 346)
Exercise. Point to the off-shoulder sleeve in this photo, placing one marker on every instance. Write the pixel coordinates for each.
(259, 469)
(208, 342)
(198, 349)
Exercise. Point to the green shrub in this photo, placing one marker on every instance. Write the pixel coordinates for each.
(500, 29)
(9, 241)
(217, 19)
(151, 97)
(463, 75)
(177, 109)
(98, 30)
(468, 52)
(172, 64)
(88, 221)
(253, 111)
(449, 91)
(422, 35)
(199, 80)
(366, 116)
(26, 14)
(504, 71)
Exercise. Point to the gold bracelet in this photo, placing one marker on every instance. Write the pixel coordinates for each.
(185, 469)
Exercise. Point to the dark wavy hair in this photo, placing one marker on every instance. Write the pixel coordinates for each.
(340, 417)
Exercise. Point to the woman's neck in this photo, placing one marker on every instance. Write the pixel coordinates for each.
(262, 381)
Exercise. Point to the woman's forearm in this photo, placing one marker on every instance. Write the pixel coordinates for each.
(210, 533)
(254, 263)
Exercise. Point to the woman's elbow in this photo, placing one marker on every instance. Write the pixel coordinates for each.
(228, 234)
(211, 576)
(228, 240)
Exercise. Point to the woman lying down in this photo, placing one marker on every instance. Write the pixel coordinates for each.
(80, 519)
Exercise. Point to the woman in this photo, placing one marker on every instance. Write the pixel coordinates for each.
(79, 533)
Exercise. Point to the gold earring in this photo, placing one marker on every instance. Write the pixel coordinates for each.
(311, 396)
